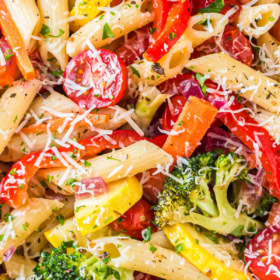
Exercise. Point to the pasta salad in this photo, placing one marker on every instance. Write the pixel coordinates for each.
(140, 139)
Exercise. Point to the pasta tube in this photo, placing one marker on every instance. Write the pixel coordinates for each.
(55, 31)
(19, 266)
(13, 106)
(257, 20)
(175, 60)
(113, 166)
(37, 240)
(23, 221)
(147, 258)
(131, 15)
(239, 78)
(27, 18)
(22, 144)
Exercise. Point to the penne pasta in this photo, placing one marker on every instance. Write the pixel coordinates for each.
(257, 20)
(269, 55)
(147, 258)
(159, 239)
(26, 15)
(239, 78)
(113, 166)
(22, 144)
(175, 60)
(13, 106)
(128, 17)
(55, 31)
(261, 2)
(37, 240)
(18, 266)
(23, 221)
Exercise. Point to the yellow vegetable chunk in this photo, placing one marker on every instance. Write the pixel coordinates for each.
(68, 231)
(94, 213)
(180, 237)
(87, 10)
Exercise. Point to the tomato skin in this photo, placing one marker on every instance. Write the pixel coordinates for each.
(85, 69)
(143, 276)
(135, 45)
(233, 42)
(257, 253)
(170, 115)
(137, 218)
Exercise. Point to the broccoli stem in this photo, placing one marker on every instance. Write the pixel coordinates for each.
(227, 220)
(206, 204)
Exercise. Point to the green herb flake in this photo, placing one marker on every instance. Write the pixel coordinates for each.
(271, 19)
(107, 32)
(60, 219)
(50, 178)
(152, 248)
(25, 226)
(13, 171)
(135, 71)
(201, 80)
(179, 247)
(87, 163)
(109, 157)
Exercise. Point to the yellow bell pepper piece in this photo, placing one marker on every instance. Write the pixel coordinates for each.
(94, 213)
(89, 9)
(68, 231)
(181, 238)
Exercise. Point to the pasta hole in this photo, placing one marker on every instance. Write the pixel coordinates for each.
(147, 6)
(176, 58)
(264, 20)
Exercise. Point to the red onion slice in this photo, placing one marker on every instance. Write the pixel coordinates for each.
(91, 187)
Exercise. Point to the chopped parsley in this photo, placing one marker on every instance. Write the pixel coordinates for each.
(147, 234)
(107, 32)
(214, 7)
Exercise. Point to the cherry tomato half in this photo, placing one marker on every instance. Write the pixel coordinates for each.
(137, 218)
(95, 79)
(263, 253)
(172, 112)
(233, 42)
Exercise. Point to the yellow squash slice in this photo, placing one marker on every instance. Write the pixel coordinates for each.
(181, 237)
(86, 10)
(94, 213)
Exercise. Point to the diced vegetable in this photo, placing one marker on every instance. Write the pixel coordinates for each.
(97, 212)
(198, 256)
(16, 42)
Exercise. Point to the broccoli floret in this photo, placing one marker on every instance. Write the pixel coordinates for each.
(187, 189)
(195, 178)
(265, 205)
(66, 262)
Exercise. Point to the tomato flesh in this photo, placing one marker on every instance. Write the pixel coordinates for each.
(263, 253)
(233, 42)
(95, 79)
(171, 113)
(137, 218)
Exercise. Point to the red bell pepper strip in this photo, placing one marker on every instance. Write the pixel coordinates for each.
(176, 24)
(161, 10)
(13, 188)
(257, 138)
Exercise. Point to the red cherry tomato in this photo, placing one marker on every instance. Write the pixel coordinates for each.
(137, 218)
(158, 140)
(172, 112)
(95, 79)
(199, 4)
(135, 45)
(263, 253)
(233, 42)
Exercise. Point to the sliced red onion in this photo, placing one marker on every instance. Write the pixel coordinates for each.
(8, 254)
(91, 187)
(184, 84)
